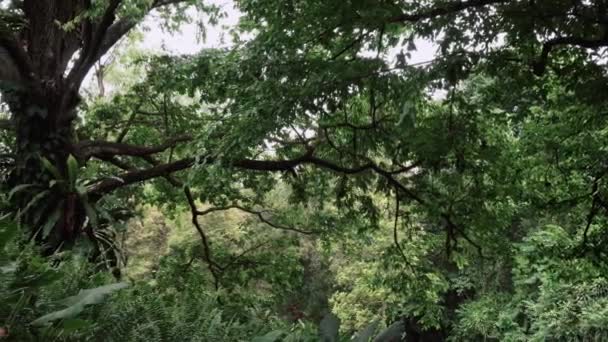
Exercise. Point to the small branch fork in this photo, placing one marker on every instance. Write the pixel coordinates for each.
(100, 149)
(215, 268)
(260, 215)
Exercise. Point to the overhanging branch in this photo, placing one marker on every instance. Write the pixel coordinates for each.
(541, 64)
(110, 184)
(94, 148)
(163, 170)
(129, 178)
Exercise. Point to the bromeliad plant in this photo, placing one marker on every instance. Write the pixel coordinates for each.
(59, 206)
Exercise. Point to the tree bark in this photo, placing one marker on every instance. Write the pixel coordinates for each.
(40, 135)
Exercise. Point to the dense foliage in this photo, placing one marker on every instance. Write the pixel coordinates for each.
(309, 182)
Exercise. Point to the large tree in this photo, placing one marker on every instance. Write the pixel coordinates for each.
(314, 88)
(48, 48)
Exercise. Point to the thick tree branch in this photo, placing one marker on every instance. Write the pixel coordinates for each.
(118, 163)
(163, 170)
(94, 148)
(110, 184)
(541, 64)
(92, 45)
(128, 178)
(15, 63)
(108, 33)
(170, 178)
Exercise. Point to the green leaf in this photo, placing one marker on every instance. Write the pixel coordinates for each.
(91, 212)
(19, 188)
(408, 114)
(51, 168)
(80, 189)
(94, 295)
(8, 230)
(33, 201)
(77, 303)
(72, 325)
(9, 267)
(272, 336)
(41, 279)
(52, 220)
(72, 171)
(329, 328)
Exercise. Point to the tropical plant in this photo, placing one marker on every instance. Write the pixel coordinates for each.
(431, 193)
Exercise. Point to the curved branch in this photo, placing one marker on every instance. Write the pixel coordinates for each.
(214, 268)
(18, 56)
(110, 184)
(288, 165)
(108, 33)
(260, 215)
(93, 44)
(94, 148)
(541, 64)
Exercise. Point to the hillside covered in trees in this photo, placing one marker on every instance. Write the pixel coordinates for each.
(309, 180)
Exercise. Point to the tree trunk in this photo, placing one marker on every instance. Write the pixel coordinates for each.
(40, 77)
(42, 134)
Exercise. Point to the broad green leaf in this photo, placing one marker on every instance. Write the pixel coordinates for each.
(272, 336)
(51, 168)
(77, 303)
(91, 212)
(8, 230)
(52, 220)
(19, 188)
(72, 325)
(72, 171)
(95, 295)
(9, 267)
(33, 202)
(408, 115)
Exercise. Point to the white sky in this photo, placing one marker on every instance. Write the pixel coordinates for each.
(187, 42)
